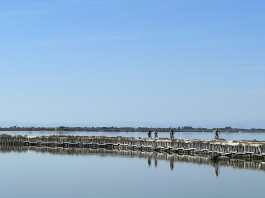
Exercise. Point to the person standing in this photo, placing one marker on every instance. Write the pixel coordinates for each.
(217, 134)
(172, 134)
(156, 134)
(149, 134)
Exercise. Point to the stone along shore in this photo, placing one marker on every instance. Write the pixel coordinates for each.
(219, 149)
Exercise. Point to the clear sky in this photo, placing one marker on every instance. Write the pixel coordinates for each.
(148, 61)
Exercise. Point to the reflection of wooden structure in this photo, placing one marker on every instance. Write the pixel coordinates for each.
(149, 156)
(217, 150)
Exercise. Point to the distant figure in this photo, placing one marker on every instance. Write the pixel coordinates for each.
(172, 134)
(155, 158)
(156, 134)
(149, 134)
(217, 134)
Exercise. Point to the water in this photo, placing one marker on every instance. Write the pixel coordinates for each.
(84, 173)
(178, 135)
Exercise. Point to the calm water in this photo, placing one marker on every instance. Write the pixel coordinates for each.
(86, 173)
(179, 135)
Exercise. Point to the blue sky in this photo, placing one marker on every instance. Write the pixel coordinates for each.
(118, 61)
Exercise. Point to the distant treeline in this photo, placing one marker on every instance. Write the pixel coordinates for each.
(129, 129)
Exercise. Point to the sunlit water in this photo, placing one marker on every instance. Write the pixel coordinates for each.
(178, 135)
(55, 174)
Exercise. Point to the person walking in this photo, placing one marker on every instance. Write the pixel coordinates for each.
(217, 134)
(156, 134)
(149, 134)
(172, 134)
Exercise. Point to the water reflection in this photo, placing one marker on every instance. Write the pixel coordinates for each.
(149, 161)
(170, 158)
(155, 158)
(152, 157)
(171, 162)
(216, 169)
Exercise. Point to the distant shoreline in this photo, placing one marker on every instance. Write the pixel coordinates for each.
(129, 129)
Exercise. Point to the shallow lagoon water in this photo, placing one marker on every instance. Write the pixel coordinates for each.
(53, 174)
(178, 135)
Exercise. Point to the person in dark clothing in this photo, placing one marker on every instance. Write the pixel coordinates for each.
(149, 134)
(172, 134)
(217, 134)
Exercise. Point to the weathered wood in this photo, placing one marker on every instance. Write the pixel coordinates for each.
(246, 150)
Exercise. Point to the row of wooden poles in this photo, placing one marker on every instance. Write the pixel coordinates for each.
(192, 147)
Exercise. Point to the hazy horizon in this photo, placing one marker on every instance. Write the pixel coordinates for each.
(258, 124)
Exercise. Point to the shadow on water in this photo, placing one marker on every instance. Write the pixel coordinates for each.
(152, 157)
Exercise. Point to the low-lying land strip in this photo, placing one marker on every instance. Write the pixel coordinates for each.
(131, 129)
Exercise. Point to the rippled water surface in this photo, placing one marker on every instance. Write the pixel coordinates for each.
(54, 173)
(178, 135)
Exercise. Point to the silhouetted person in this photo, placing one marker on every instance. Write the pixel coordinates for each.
(171, 134)
(149, 134)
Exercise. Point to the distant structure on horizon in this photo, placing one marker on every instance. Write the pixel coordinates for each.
(62, 128)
